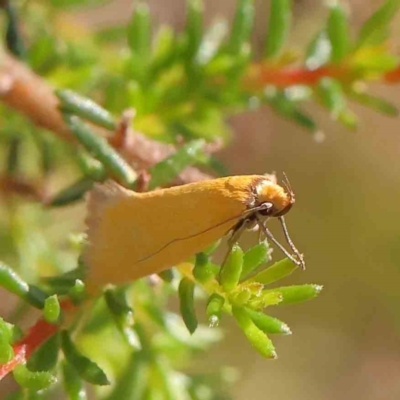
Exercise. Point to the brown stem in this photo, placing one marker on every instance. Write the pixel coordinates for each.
(24, 91)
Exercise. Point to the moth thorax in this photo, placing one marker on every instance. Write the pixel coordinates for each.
(273, 193)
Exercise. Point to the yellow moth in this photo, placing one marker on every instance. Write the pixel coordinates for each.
(131, 235)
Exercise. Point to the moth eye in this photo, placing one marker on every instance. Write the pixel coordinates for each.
(268, 209)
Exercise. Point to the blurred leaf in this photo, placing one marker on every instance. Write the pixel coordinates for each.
(242, 26)
(232, 269)
(167, 170)
(74, 103)
(278, 27)
(348, 119)
(257, 338)
(278, 271)
(91, 167)
(33, 380)
(375, 103)
(87, 369)
(99, 147)
(298, 293)
(211, 42)
(73, 384)
(267, 323)
(254, 257)
(13, 159)
(46, 356)
(372, 62)
(132, 381)
(280, 102)
(338, 32)
(319, 51)
(163, 50)
(167, 275)
(332, 96)
(139, 31)
(122, 313)
(72, 193)
(375, 29)
(194, 27)
(186, 299)
(139, 38)
(14, 39)
(10, 281)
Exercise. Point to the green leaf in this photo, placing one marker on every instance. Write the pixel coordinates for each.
(278, 27)
(257, 338)
(11, 281)
(203, 269)
(194, 27)
(139, 32)
(100, 149)
(274, 273)
(167, 275)
(63, 282)
(214, 309)
(122, 313)
(77, 292)
(254, 257)
(87, 369)
(371, 62)
(6, 335)
(164, 49)
(298, 293)
(13, 157)
(51, 311)
(210, 249)
(14, 39)
(72, 193)
(232, 269)
(33, 380)
(319, 51)
(338, 33)
(186, 298)
(73, 384)
(332, 96)
(242, 25)
(167, 170)
(285, 106)
(46, 356)
(375, 29)
(73, 103)
(267, 323)
(376, 103)
(91, 167)
(211, 42)
(348, 119)
(133, 380)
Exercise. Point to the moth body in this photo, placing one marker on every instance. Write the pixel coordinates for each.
(131, 235)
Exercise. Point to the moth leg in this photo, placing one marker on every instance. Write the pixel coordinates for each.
(240, 227)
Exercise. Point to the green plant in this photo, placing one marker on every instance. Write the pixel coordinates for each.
(181, 86)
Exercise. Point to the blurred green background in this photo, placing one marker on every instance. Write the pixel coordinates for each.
(345, 344)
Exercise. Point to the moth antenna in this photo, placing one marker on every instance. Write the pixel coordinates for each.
(288, 186)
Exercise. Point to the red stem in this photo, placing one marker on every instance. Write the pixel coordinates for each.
(260, 75)
(36, 336)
